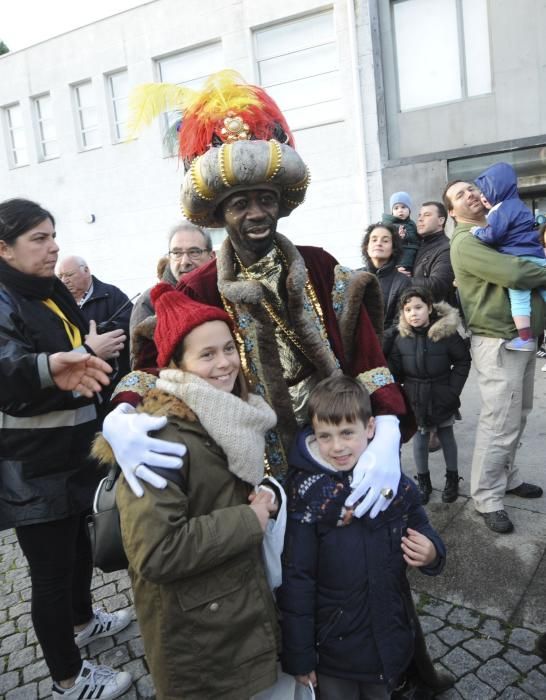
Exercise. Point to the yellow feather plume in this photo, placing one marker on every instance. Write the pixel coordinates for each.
(148, 101)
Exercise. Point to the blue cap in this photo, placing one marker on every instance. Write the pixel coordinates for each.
(400, 198)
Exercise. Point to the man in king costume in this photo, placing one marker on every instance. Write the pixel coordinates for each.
(297, 314)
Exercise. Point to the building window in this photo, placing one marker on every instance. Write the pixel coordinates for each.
(299, 67)
(442, 50)
(118, 92)
(86, 115)
(189, 68)
(17, 144)
(48, 146)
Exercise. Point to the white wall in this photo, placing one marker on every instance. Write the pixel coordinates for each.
(130, 187)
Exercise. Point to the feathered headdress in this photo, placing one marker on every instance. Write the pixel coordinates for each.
(231, 136)
(227, 109)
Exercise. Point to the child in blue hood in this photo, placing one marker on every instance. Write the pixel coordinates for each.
(347, 618)
(511, 229)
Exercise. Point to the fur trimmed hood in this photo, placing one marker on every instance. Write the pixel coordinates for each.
(445, 321)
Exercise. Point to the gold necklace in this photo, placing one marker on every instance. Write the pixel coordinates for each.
(274, 316)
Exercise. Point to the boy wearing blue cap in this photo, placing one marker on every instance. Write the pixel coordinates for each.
(400, 205)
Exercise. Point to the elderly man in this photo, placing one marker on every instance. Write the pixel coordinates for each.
(100, 303)
(505, 378)
(189, 248)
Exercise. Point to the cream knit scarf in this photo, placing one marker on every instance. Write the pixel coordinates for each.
(237, 426)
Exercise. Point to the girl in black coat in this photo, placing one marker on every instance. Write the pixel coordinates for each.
(432, 361)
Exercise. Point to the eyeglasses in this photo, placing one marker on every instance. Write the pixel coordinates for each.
(192, 253)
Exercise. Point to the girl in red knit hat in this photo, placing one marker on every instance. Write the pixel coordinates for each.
(201, 594)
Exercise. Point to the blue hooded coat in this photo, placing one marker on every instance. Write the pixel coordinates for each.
(510, 224)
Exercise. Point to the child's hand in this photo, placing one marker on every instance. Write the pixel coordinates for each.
(418, 549)
(402, 232)
(308, 678)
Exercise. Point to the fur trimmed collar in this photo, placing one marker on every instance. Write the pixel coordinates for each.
(445, 321)
(251, 291)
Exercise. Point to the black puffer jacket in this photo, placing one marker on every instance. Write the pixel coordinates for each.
(432, 364)
(45, 471)
(392, 285)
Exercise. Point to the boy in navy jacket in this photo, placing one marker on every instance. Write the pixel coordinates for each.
(346, 605)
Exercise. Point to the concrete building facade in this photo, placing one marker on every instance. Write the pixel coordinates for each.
(63, 110)
(461, 85)
(382, 95)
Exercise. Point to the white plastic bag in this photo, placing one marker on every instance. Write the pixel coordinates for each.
(273, 541)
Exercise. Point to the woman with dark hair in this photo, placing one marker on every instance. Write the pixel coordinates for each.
(47, 480)
(381, 250)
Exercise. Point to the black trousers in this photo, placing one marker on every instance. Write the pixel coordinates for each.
(61, 567)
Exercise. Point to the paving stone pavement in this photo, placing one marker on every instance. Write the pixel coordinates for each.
(489, 658)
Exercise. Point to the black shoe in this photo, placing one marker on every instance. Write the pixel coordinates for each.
(525, 490)
(451, 489)
(425, 487)
(498, 521)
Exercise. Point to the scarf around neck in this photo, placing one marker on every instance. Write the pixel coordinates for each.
(237, 426)
(42, 288)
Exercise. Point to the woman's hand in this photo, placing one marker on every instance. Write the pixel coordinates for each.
(263, 506)
(76, 371)
(105, 345)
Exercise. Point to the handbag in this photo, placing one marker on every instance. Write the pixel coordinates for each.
(104, 526)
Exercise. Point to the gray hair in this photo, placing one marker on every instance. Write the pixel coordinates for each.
(188, 226)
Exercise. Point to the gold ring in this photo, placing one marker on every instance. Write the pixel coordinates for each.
(387, 493)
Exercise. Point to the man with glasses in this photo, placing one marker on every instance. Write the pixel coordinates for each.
(189, 248)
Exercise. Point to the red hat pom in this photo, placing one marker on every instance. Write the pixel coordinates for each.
(159, 290)
(177, 315)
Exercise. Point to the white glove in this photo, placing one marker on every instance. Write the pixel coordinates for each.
(377, 470)
(127, 433)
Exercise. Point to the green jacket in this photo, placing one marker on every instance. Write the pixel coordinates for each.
(207, 616)
(483, 276)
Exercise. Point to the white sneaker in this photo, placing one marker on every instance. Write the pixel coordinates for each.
(543, 368)
(94, 682)
(103, 624)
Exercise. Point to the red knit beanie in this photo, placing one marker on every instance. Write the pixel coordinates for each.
(177, 315)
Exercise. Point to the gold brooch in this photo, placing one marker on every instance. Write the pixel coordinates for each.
(234, 129)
